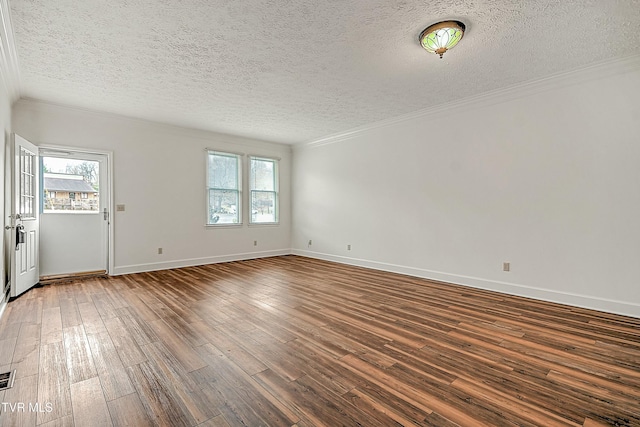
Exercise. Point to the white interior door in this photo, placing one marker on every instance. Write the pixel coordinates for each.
(25, 233)
(74, 223)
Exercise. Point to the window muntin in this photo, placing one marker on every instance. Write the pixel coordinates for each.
(223, 188)
(26, 209)
(263, 183)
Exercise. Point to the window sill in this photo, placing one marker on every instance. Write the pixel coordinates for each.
(223, 225)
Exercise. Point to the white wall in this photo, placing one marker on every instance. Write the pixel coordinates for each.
(159, 175)
(546, 179)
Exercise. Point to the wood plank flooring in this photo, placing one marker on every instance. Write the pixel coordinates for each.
(292, 341)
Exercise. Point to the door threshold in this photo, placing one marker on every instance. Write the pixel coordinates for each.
(45, 280)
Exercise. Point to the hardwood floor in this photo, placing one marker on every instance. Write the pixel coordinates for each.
(296, 341)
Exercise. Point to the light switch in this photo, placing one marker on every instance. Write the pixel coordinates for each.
(120, 208)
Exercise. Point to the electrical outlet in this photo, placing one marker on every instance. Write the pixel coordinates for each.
(348, 247)
(159, 251)
(506, 266)
(255, 243)
(310, 243)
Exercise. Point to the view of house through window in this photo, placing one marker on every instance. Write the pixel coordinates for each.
(69, 185)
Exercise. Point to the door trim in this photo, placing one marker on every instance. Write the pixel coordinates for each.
(110, 202)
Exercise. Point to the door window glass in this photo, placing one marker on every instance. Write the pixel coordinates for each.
(70, 185)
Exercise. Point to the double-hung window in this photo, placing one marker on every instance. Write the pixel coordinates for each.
(263, 189)
(224, 188)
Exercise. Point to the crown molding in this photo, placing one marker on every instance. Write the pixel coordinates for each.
(556, 81)
(9, 70)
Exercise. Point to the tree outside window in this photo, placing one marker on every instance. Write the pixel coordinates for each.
(263, 181)
(223, 188)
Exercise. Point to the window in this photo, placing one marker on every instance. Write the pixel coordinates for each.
(263, 181)
(67, 183)
(223, 188)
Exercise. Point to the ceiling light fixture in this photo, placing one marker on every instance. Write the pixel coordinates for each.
(441, 37)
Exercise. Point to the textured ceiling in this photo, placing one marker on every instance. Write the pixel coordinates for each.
(294, 71)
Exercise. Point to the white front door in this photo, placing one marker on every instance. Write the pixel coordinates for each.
(25, 234)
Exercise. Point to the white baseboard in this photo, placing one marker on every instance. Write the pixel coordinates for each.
(140, 268)
(576, 300)
(583, 301)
